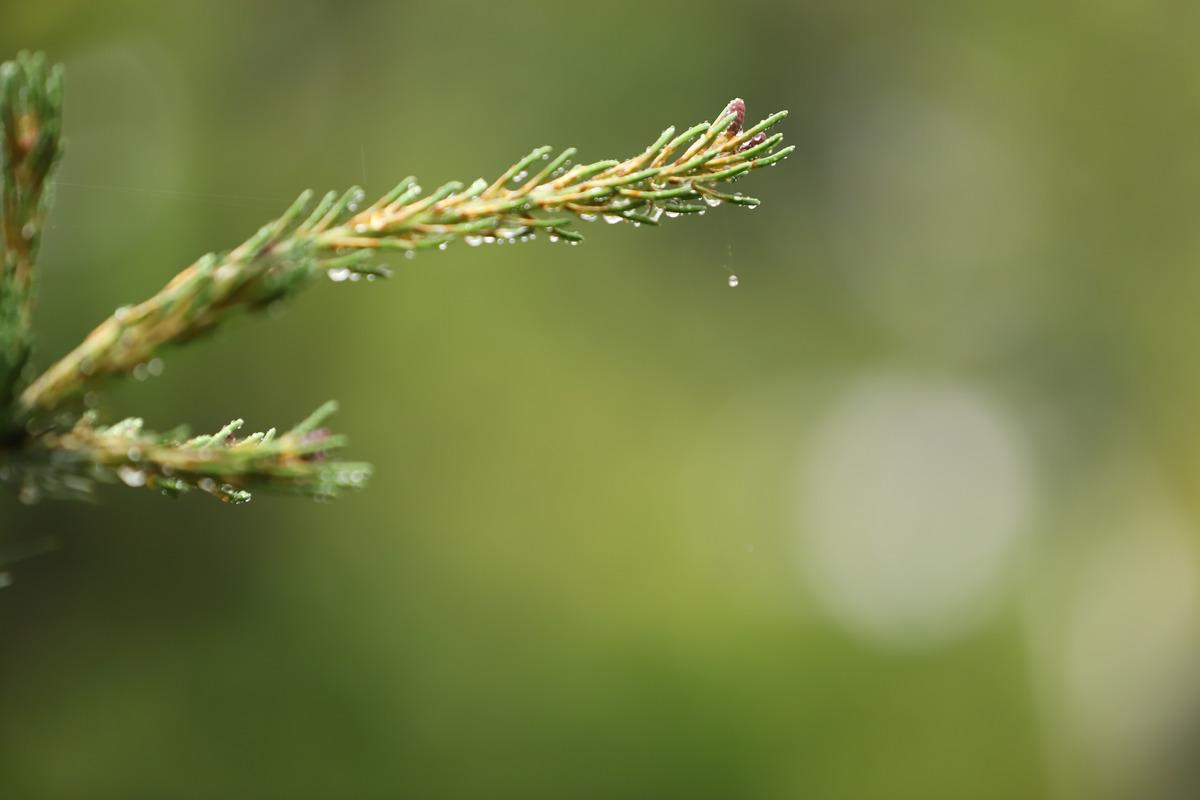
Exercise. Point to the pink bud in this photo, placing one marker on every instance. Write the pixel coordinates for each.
(753, 141)
(736, 106)
(315, 435)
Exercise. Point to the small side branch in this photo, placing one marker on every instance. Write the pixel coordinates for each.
(69, 462)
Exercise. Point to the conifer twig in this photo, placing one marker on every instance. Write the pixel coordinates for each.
(338, 239)
(50, 451)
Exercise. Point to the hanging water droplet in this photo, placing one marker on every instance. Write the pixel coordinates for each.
(520, 176)
(712, 201)
(131, 476)
(733, 281)
(443, 245)
(612, 219)
(655, 213)
(207, 484)
(473, 241)
(672, 214)
(588, 217)
(338, 274)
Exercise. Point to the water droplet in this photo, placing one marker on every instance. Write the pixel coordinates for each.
(655, 213)
(134, 454)
(520, 176)
(122, 313)
(672, 214)
(139, 372)
(473, 241)
(410, 254)
(338, 274)
(131, 476)
(29, 231)
(155, 367)
(588, 217)
(733, 281)
(207, 484)
(612, 219)
(443, 245)
(712, 201)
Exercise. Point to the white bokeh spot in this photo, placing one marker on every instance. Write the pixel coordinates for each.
(914, 496)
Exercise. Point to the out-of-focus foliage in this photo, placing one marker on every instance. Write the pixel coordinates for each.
(911, 511)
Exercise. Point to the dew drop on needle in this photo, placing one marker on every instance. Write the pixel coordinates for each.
(733, 281)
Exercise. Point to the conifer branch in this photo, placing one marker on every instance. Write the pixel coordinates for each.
(339, 240)
(30, 147)
(677, 174)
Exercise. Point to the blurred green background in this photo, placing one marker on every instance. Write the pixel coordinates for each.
(911, 512)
